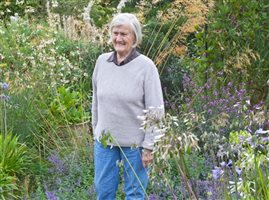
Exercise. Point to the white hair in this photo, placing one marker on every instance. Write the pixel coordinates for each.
(127, 19)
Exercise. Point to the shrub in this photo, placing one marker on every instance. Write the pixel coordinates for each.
(37, 61)
(16, 164)
(67, 107)
(7, 186)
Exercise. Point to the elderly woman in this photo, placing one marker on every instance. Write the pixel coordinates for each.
(125, 83)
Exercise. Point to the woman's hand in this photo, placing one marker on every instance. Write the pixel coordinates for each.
(147, 157)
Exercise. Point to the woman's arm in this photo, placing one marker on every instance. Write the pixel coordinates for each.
(94, 99)
(154, 104)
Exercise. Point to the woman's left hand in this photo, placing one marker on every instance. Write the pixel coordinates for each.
(147, 157)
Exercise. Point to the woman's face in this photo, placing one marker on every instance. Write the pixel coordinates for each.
(123, 39)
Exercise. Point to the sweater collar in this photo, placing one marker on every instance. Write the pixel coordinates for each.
(129, 58)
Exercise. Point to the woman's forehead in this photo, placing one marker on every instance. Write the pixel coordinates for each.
(123, 27)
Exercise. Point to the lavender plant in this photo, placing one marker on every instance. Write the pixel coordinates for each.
(69, 176)
(218, 108)
(223, 107)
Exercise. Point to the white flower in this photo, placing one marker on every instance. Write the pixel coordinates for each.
(54, 3)
(19, 2)
(145, 111)
(141, 117)
(14, 18)
(121, 4)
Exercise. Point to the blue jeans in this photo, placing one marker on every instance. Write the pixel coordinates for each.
(107, 172)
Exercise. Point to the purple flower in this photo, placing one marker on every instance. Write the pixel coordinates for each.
(51, 196)
(223, 164)
(238, 170)
(152, 197)
(230, 84)
(220, 73)
(186, 78)
(207, 86)
(249, 130)
(230, 163)
(92, 190)
(217, 173)
(5, 86)
(261, 132)
(78, 182)
(249, 140)
(58, 181)
(186, 82)
(4, 97)
(57, 162)
(265, 139)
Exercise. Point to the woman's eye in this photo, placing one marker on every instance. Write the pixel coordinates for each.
(120, 34)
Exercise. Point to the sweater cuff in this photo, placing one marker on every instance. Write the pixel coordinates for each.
(148, 142)
(148, 146)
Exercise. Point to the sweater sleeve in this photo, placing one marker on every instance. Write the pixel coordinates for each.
(94, 98)
(154, 105)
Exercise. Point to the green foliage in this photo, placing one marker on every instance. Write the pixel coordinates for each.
(102, 14)
(15, 163)
(50, 88)
(160, 6)
(63, 121)
(69, 7)
(7, 186)
(21, 110)
(130, 6)
(30, 7)
(35, 59)
(14, 156)
(196, 163)
(235, 41)
(252, 157)
(235, 136)
(157, 35)
(38, 48)
(67, 107)
(166, 178)
(172, 78)
(175, 144)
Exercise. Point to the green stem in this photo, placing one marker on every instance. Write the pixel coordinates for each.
(5, 119)
(118, 145)
(181, 165)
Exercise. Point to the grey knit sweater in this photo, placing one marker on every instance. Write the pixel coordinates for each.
(120, 94)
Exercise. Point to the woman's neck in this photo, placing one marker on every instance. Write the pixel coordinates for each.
(122, 57)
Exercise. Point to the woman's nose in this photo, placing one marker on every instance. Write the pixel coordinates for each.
(118, 37)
